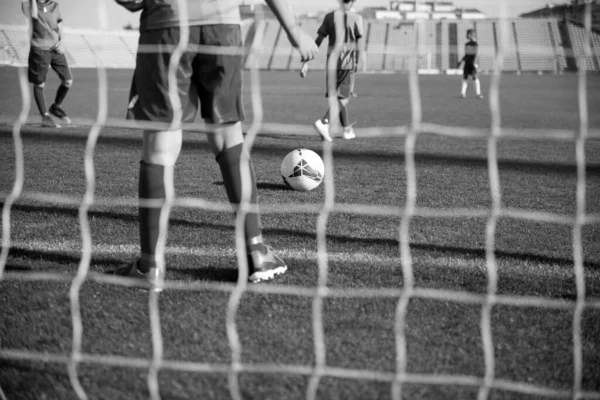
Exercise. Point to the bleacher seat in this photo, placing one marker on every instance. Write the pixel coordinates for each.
(427, 44)
(558, 44)
(577, 35)
(487, 44)
(375, 46)
(535, 45)
(529, 45)
(282, 52)
(400, 47)
(18, 39)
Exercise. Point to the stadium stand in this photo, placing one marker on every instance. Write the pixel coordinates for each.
(558, 44)
(427, 45)
(544, 44)
(109, 50)
(376, 37)
(282, 52)
(400, 46)
(445, 48)
(17, 38)
(536, 52)
(577, 35)
(486, 36)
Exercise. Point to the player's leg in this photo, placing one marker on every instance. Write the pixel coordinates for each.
(159, 153)
(149, 101)
(38, 66)
(322, 124)
(477, 85)
(465, 83)
(345, 88)
(219, 82)
(61, 67)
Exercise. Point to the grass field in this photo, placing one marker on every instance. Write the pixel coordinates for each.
(533, 345)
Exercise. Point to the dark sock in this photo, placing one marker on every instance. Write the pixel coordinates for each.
(343, 115)
(61, 93)
(151, 186)
(229, 162)
(38, 95)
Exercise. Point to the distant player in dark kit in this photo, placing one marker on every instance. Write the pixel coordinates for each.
(347, 64)
(47, 51)
(212, 83)
(470, 61)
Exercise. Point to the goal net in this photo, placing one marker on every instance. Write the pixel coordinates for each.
(483, 383)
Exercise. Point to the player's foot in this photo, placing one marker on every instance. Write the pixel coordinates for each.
(49, 122)
(264, 266)
(462, 95)
(132, 270)
(480, 96)
(60, 114)
(322, 129)
(349, 133)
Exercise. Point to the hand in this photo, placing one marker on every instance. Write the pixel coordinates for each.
(59, 48)
(304, 70)
(476, 66)
(305, 45)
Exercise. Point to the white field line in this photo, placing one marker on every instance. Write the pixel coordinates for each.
(130, 250)
(126, 251)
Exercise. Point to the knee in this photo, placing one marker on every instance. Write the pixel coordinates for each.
(67, 83)
(162, 148)
(345, 101)
(39, 85)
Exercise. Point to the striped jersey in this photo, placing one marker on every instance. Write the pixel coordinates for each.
(45, 30)
(350, 25)
(470, 54)
(157, 14)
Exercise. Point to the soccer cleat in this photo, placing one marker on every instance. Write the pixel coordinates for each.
(480, 96)
(59, 113)
(322, 129)
(349, 133)
(264, 266)
(49, 122)
(132, 270)
(462, 96)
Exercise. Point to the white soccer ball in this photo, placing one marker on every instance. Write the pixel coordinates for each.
(302, 169)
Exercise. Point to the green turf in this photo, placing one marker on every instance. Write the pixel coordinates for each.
(532, 345)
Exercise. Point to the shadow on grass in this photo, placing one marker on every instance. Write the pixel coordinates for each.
(537, 167)
(65, 258)
(264, 186)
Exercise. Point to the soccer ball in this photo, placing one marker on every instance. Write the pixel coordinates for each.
(302, 169)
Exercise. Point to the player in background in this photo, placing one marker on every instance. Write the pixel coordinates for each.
(347, 64)
(212, 83)
(47, 51)
(470, 60)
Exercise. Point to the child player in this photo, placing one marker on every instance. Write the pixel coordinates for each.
(47, 51)
(211, 83)
(347, 64)
(470, 60)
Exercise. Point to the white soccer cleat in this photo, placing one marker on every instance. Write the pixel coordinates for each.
(322, 129)
(349, 133)
(264, 266)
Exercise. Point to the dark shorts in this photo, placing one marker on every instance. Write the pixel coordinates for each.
(470, 71)
(41, 60)
(344, 83)
(209, 81)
